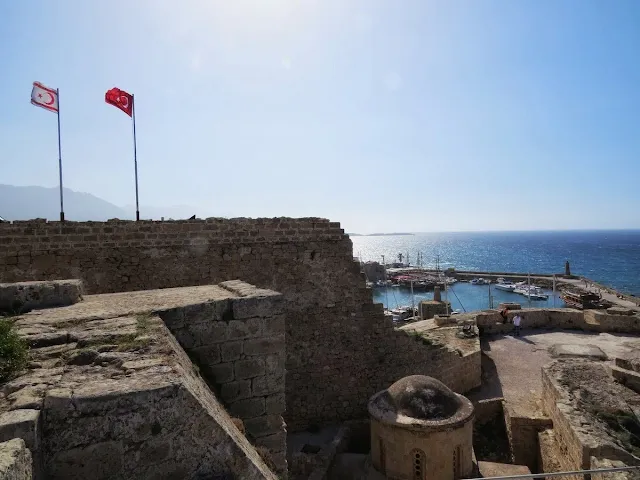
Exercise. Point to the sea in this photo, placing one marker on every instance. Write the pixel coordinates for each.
(611, 258)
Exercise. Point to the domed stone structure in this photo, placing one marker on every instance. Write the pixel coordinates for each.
(421, 430)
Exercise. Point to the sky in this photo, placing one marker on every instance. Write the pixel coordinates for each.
(412, 115)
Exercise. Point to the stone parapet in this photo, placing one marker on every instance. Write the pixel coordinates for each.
(24, 296)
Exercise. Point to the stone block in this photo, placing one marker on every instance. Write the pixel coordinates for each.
(24, 424)
(57, 402)
(265, 425)
(25, 296)
(100, 461)
(264, 346)
(248, 408)
(236, 390)
(15, 460)
(274, 325)
(249, 368)
(173, 318)
(209, 355)
(208, 333)
(275, 443)
(275, 404)
(275, 363)
(221, 373)
(258, 306)
(241, 329)
(267, 385)
(231, 351)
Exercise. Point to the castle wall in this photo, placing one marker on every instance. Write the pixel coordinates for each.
(340, 348)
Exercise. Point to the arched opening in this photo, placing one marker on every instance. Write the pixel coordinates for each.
(418, 464)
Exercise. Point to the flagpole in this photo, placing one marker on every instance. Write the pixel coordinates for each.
(60, 160)
(135, 156)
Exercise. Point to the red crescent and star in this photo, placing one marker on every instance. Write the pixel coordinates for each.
(49, 102)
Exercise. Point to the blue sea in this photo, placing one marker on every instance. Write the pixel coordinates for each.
(608, 257)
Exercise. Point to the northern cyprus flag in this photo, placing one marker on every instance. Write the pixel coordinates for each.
(44, 97)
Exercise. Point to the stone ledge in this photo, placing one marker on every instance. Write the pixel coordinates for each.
(24, 296)
(15, 460)
(24, 424)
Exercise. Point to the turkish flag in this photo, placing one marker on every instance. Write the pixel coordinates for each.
(120, 99)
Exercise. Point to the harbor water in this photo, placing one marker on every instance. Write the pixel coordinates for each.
(611, 258)
(463, 296)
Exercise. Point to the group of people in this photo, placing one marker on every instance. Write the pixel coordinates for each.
(517, 319)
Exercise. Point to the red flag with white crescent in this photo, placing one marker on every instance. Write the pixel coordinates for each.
(44, 97)
(120, 99)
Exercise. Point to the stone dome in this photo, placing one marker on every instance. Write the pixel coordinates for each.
(420, 401)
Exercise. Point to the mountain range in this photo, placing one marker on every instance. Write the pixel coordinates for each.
(25, 203)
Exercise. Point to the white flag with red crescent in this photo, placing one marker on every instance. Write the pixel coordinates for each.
(44, 97)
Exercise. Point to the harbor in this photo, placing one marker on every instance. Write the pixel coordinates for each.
(401, 287)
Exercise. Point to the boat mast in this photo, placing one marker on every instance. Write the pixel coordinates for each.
(413, 304)
(386, 285)
(529, 288)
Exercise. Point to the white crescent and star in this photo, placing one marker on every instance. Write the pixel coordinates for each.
(124, 101)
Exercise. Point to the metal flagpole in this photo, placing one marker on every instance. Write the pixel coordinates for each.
(60, 159)
(554, 291)
(135, 156)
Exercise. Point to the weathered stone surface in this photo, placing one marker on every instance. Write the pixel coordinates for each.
(209, 355)
(275, 404)
(231, 351)
(249, 368)
(221, 373)
(236, 390)
(265, 425)
(264, 346)
(578, 351)
(249, 328)
(267, 385)
(24, 424)
(25, 296)
(492, 469)
(276, 442)
(100, 461)
(128, 402)
(15, 460)
(249, 408)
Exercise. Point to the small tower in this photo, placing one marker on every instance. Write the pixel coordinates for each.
(567, 269)
(421, 430)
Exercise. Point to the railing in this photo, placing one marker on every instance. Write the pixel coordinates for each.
(585, 473)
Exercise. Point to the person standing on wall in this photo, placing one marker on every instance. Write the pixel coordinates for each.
(516, 323)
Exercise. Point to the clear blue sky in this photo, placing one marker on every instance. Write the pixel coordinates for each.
(416, 115)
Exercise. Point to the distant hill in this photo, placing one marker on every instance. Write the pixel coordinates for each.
(25, 203)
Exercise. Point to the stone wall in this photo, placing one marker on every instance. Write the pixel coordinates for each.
(578, 434)
(238, 345)
(523, 437)
(110, 394)
(340, 348)
(490, 321)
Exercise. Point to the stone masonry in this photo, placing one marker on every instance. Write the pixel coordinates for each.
(110, 393)
(333, 326)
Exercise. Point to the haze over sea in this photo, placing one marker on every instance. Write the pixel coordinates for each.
(608, 257)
